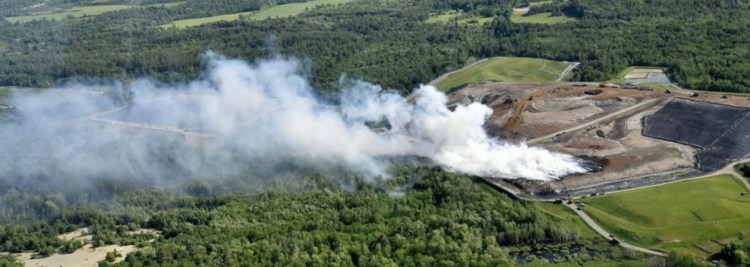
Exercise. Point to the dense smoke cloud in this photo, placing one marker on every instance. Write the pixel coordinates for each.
(241, 117)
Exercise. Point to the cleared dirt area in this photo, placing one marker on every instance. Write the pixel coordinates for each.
(638, 76)
(603, 126)
(84, 257)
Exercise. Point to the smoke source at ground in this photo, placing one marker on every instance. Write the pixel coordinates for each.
(252, 112)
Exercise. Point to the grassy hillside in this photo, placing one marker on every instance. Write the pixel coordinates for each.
(272, 12)
(75, 12)
(460, 18)
(676, 216)
(506, 69)
(541, 18)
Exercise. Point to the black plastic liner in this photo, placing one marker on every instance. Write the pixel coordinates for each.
(721, 131)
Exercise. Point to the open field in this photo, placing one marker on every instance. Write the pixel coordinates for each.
(676, 216)
(460, 18)
(75, 12)
(541, 18)
(272, 12)
(505, 69)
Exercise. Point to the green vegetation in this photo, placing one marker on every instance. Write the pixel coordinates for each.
(200, 21)
(736, 253)
(521, 15)
(278, 11)
(439, 218)
(674, 217)
(743, 169)
(76, 12)
(386, 42)
(294, 9)
(568, 218)
(540, 18)
(506, 69)
(453, 16)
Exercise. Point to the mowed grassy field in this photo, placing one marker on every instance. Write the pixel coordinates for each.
(541, 18)
(272, 12)
(676, 216)
(75, 12)
(454, 16)
(517, 69)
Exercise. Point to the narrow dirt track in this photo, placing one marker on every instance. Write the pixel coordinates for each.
(571, 67)
(607, 235)
(587, 124)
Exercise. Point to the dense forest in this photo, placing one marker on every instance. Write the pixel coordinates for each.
(421, 216)
(703, 44)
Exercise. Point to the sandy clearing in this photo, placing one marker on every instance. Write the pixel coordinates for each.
(84, 257)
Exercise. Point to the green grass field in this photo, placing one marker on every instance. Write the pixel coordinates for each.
(506, 69)
(272, 12)
(453, 16)
(75, 12)
(541, 18)
(676, 216)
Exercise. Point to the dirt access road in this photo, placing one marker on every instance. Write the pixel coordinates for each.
(607, 235)
(571, 66)
(645, 104)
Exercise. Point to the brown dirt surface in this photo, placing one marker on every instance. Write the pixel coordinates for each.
(523, 111)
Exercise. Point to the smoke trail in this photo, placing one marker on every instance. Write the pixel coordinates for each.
(242, 117)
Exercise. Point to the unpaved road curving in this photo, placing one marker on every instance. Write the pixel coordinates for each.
(607, 235)
(571, 66)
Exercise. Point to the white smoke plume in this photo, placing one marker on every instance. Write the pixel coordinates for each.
(242, 116)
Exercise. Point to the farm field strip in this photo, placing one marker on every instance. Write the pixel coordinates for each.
(286, 10)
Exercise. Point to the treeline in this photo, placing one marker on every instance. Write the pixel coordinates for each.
(702, 43)
(382, 42)
(736, 253)
(182, 9)
(422, 216)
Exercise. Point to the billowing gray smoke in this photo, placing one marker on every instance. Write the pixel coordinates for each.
(243, 116)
